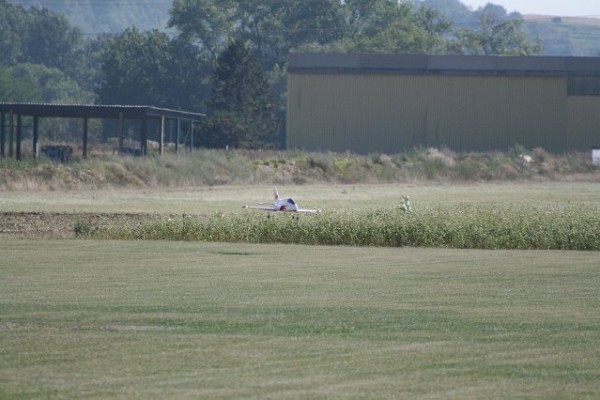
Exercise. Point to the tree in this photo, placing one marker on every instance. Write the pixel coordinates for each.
(243, 113)
(186, 83)
(454, 10)
(270, 28)
(53, 85)
(37, 36)
(107, 16)
(90, 75)
(497, 34)
(388, 26)
(133, 64)
(52, 41)
(273, 29)
(147, 68)
(11, 33)
(206, 23)
(13, 90)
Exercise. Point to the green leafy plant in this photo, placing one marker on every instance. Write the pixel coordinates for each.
(84, 229)
(464, 226)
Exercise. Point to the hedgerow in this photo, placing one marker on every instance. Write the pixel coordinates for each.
(467, 226)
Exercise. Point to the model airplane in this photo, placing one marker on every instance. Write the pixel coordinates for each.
(279, 204)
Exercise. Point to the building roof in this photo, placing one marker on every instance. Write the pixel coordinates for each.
(444, 65)
(95, 111)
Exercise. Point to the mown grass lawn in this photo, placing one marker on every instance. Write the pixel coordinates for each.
(231, 198)
(130, 319)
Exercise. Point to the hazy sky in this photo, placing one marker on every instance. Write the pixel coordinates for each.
(563, 8)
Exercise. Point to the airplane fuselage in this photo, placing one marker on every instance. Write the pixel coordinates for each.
(285, 205)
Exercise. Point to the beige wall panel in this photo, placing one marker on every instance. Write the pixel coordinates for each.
(487, 113)
(390, 112)
(360, 113)
(583, 122)
(349, 112)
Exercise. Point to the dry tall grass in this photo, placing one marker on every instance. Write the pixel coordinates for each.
(220, 167)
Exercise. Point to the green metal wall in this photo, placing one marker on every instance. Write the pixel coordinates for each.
(583, 122)
(382, 112)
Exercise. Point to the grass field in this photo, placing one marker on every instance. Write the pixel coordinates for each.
(97, 319)
(155, 319)
(328, 197)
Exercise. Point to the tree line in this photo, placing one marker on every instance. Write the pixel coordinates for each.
(227, 58)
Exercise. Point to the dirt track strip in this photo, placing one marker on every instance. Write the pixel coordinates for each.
(61, 225)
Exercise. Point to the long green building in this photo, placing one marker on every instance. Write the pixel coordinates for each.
(389, 103)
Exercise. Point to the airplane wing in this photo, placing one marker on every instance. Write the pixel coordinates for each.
(270, 208)
(308, 211)
(265, 207)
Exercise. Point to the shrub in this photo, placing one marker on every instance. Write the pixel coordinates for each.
(84, 229)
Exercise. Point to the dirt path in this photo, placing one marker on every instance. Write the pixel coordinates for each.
(61, 225)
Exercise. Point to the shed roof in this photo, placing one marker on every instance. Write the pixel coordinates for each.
(95, 111)
(444, 65)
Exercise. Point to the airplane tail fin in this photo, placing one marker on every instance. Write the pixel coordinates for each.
(275, 194)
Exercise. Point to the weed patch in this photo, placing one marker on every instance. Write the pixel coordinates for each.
(225, 167)
(464, 226)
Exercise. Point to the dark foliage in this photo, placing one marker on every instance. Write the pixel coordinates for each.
(148, 68)
(243, 113)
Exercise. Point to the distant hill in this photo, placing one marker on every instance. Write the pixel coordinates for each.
(560, 36)
(107, 16)
(565, 36)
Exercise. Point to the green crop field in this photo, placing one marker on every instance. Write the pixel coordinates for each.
(192, 319)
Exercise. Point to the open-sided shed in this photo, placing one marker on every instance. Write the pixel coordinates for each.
(11, 122)
(389, 103)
